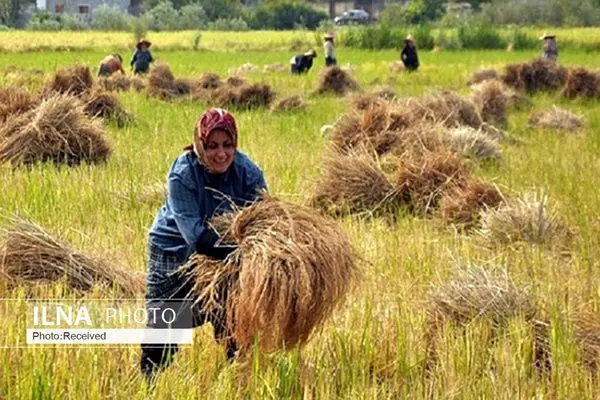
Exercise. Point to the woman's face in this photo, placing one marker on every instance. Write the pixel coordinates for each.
(219, 151)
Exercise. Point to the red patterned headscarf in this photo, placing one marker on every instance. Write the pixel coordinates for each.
(216, 118)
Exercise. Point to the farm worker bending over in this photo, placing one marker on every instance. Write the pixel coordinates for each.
(329, 48)
(111, 64)
(142, 57)
(203, 182)
(409, 55)
(303, 62)
(550, 47)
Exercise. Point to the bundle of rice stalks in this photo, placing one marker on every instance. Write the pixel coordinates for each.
(446, 107)
(137, 83)
(335, 80)
(277, 67)
(539, 75)
(56, 131)
(372, 129)
(14, 100)
(163, 85)
(396, 66)
(100, 103)
(462, 206)
(532, 219)
(475, 292)
(291, 270)
(351, 184)
(289, 103)
(248, 96)
(422, 181)
(29, 254)
(420, 139)
(473, 143)
(115, 83)
(483, 75)
(581, 83)
(209, 80)
(236, 81)
(492, 99)
(76, 80)
(557, 119)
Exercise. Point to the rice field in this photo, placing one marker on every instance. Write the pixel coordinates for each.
(382, 343)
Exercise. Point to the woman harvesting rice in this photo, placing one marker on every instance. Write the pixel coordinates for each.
(203, 182)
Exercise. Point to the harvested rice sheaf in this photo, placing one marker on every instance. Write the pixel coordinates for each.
(289, 103)
(581, 83)
(557, 119)
(483, 75)
(29, 254)
(421, 182)
(372, 129)
(100, 103)
(336, 81)
(492, 99)
(292, 268)
(115, 83)
(533, 219)
(352, 184)
(473, 143)
(56, 131)
(539, 75)
(14, 101)
(163, 85)
(462, 206)
(76, 80)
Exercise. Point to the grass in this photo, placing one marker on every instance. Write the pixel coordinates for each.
(374, 347)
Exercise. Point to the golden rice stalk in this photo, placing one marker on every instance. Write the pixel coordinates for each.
(29, 254)
(292, 268)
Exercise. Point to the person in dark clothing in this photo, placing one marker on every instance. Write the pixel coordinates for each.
(409, 55)
(209, 179)
(302, 63)
(142, 57)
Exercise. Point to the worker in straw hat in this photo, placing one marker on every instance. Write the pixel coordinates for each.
(209, 179)
(140, 62)
(550, 47)
(329, 48)
(302, 63)
(409, 55)
(111, 64)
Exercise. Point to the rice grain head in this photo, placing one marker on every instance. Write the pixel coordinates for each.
(292, 269)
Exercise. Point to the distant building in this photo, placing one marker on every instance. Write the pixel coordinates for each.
(83, 9)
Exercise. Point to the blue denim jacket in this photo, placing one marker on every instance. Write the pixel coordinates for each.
(141, 60)
(195, 196)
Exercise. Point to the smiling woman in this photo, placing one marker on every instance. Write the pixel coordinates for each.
(210, 178)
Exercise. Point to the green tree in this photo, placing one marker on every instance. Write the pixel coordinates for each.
(10, 10)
